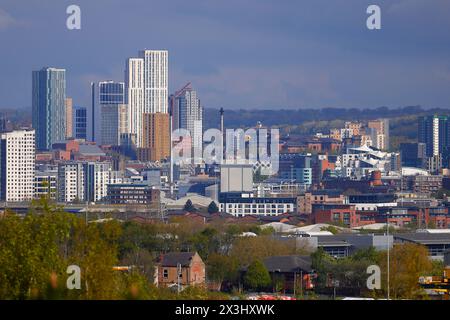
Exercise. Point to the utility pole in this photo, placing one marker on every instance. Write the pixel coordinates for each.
(388, 256)
(295, 282)
(178, 277)
(301, 283)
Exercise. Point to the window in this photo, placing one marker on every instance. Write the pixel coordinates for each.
(165, 273)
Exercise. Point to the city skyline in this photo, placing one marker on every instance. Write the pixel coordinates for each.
(314, 58)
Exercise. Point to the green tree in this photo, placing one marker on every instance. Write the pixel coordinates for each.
(212, 208)
(257, 277)
(220, 267)
(189, 207)
(407, 263)
(248, 249)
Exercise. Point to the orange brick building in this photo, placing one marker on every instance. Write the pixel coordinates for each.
(155, 138)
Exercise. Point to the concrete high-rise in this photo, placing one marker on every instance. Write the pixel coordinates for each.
(146, 82)
(69, 118)
(17, 160)
(134, 97)
(83, 181)
(156, 137)
(49, 106)
(188, 114)
(156, 74)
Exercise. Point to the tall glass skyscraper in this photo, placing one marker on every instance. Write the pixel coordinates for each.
(111, 98)
(48, 106)
(80, 123)
(104, 93)
(111, 92)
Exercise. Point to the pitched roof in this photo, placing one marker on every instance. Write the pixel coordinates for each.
(288, 263)
(425, 238)
(172, 259)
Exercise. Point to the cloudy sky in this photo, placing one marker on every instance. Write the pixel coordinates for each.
(239, 53)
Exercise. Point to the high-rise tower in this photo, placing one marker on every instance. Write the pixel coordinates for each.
(49, 106)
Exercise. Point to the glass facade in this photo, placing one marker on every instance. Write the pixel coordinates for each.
(111, 92)
(80, 123)
(48, 106)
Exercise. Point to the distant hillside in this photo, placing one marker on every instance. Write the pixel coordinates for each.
(246, 118)
(403, 121)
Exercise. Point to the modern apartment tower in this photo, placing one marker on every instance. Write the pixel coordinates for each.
(434, 132)
(146, 87)
(83, 181)
(156, 137)
(49, 106)
(188, 114)
(156, 74)
(69, 118)
(134, 96)
(17, 159)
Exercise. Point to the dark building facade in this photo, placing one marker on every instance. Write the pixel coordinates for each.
(413, 154)
(132, 194)
(434, 132)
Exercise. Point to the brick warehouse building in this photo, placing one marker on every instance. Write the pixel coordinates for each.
(335, 213)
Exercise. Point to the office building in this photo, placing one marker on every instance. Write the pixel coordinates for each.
(80, 123)
(114, 123)
(132, 194)
(69, 118)
(413, 154)
(240, 204)
(103, 93)
(17, 159)
(111, 92)
(49, 106)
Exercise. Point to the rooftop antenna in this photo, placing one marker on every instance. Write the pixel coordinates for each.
(222, 129)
